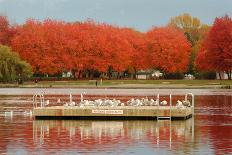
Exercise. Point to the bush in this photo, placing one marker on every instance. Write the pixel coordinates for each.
(177, 75)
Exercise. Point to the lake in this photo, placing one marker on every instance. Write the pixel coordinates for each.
(208, 132)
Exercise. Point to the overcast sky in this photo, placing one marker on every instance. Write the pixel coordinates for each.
(139, 14)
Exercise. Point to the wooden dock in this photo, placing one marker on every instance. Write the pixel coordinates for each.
(118, 112)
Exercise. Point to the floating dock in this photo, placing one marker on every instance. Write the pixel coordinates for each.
(135, 109)
(119, 112)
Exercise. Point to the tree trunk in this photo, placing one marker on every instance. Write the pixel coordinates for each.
(135, 75)
(220, 75)
(228, 74)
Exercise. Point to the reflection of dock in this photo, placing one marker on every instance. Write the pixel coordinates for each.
(111, 132)
(120, 112)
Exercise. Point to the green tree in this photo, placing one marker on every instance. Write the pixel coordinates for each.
(11, 66)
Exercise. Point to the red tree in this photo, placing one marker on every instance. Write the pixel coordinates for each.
(6, 31)
(218, 47)
(169, 49)
(41, 44)
(138, 45)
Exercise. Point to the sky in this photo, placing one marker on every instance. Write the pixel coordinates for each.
(138, 14)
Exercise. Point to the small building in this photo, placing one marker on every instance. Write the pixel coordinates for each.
(67, 74)
(149, 74)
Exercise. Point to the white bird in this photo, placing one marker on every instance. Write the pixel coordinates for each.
(146, 101)
(186, 103)
(47, 102)
(163, 102)
(153, 103)
(137, 102)
(179, 103)
(91, 103)
(98, 102)
(85, 102)
(72, 104)
(130, 102)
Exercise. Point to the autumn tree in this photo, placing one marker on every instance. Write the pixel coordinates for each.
(194, 31)
(6, 31)
(54, 46)
(139, 55)
(217, 47)
(169, 49)
(11, 66)
(41, 44)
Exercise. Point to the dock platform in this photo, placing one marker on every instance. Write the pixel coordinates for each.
(118, 112)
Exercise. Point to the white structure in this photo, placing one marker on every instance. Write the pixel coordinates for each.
(223, 75)
(67, 74)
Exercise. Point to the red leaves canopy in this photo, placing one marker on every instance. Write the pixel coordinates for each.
(216, 49)
(169, 49)
(54, 46)
(6, 31)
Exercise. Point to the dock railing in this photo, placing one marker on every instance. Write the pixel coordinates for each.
(38, 98)
(192, 102)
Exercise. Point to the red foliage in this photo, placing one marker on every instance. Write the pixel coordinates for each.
(217, 53)
(6, 31)
(54, 46)
(169, 49)
(138, 45)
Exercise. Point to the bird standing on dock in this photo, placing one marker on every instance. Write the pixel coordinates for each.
(186, 103)
(153, 102)
(47, 102)
(164, 102)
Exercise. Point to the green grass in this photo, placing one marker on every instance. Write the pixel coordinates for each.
(131, 82)
(124, 83)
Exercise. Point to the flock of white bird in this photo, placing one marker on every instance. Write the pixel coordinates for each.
(131, 102)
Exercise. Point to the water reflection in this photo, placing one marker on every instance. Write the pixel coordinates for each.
(211, 132)
(93, 133)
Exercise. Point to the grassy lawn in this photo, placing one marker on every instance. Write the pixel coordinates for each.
(123, 83)
(131, 82)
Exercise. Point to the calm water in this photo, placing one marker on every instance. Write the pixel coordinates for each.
(209, 132)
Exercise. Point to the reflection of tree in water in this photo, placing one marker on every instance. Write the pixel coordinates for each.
(212, 131)
(215, 119)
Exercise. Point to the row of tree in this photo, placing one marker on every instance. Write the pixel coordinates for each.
(52, 47)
